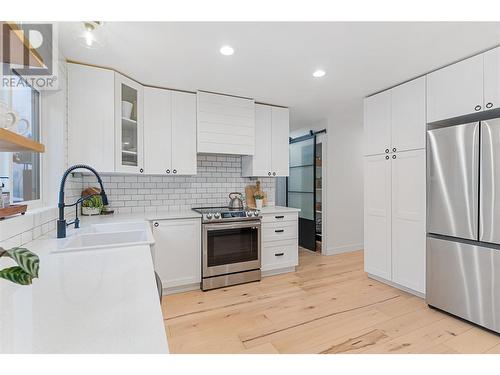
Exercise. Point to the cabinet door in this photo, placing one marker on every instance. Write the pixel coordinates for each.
(408, 116)
(177, 251)
(260, 163)
(280, 119)
(408, 219)
(492, 79)
(91, 117)
(455, 90)
(377, 125)
(129, 125)
(183, 133)
(377, 217)
(157, 131)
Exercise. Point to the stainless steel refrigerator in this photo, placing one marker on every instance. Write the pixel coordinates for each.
(463, 221)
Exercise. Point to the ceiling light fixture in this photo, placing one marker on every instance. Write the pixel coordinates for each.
(226, 50)
(318, 73)
(88, 37)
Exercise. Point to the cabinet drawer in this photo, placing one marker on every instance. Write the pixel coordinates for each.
(279, 231)
(279, 217)
(279, 254)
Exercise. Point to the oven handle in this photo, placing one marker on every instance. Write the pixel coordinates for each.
(243, 224)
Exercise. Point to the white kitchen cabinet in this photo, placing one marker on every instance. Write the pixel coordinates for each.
(408, 219)
(91, 117)
(177, 253)
(377, 123)
(129, 127)
(492, 79)
(455, 90)
(271, 156)
(169, 132)
(408, 123)
(184, 160)
(225, 124)
(157, 131)
(377, 215)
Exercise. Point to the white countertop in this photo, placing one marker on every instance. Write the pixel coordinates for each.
(278, 209)
(91, 301)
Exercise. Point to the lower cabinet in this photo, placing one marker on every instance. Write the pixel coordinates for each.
(279, 247)
(177, 253)
(395, 212)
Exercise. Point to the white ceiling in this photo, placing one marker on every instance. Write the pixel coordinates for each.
(273, 62)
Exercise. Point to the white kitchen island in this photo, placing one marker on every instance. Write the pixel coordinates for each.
(89, 301)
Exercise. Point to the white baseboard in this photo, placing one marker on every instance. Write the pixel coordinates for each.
(181, 288)
(342, 249)
(396, 285)
(278, 271)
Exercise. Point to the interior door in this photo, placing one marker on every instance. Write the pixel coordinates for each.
(301, 189)
(489, 185)
(408, 219)
(452, 177)
(377, 201)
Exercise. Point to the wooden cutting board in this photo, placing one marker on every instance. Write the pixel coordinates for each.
(250, 191)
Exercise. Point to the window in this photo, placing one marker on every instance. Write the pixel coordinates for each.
(20, 171)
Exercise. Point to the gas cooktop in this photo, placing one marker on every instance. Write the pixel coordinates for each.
(218, 214)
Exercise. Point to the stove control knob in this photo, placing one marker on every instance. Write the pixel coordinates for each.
(249, 213)
(256, 213)
(208, 216)
(217, 215)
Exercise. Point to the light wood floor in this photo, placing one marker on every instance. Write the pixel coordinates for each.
(327, 306)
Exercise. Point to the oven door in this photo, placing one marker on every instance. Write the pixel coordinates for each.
(231, 247)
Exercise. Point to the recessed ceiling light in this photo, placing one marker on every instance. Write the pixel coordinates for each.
(226, 50)
(319, 73)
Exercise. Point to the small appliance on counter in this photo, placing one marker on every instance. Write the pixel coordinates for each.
(231, 246)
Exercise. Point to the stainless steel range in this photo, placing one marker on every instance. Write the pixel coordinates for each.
(231, 246)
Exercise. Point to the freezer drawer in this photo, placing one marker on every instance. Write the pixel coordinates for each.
(452, 180)
(489, 197)
(464, 280)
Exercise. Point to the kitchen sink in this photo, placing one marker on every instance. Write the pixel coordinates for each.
(111, 235)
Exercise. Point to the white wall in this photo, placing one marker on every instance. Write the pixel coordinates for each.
(344, 198)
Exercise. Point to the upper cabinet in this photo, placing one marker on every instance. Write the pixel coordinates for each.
(129, 126)
(395, 119)
(226, 124)
(492, 79)
(91, 117)
(169, 132)
(271, 143)
(456, 90)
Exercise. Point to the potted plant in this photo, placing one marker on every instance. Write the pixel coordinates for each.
(259, 199)
(92, 206)
(27, 267)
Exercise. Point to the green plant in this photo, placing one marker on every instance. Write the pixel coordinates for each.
(258, 196)
(27, 267)
(93, 201)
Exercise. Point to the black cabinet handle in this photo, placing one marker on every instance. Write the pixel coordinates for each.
(279, 230)
(156, 225)
(274, 173)
(387, 157)
(175, 171)
(386, 150)
(477, 107)
(394, 156)
(394, 149)
(279, 217)
(141, 170)
(268, 173)
(168, 171)
(489, 105)
(279, 254)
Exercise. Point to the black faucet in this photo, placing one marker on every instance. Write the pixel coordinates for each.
(61, 222)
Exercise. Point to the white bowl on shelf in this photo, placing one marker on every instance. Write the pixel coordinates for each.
(127, 108)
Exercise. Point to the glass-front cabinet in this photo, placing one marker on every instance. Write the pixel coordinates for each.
(129, 125)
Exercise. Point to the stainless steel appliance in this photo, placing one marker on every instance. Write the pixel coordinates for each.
(231, 246)
(463, 220)
(236, 200)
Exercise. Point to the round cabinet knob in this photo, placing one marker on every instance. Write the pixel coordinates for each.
(394, 149)
(489, 105)
(477, 107)
(168, 171)
(141, 170)
(156, 224)
(387, 157)
(209, 215)
(175, 171)
(217, 215)
(386, 150)
(274, 173)
(394, 156)
(268, 173)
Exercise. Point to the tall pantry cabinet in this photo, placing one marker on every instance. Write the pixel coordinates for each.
(395, 185)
